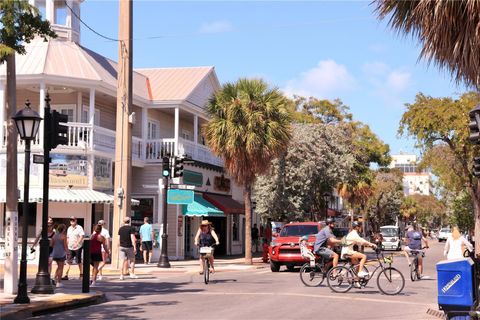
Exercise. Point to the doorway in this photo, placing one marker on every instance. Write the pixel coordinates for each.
(220, 226)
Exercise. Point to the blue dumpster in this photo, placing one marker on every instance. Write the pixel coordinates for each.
(455, 284)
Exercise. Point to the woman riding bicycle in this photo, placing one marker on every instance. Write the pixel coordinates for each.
(351, 239)
(206, 237)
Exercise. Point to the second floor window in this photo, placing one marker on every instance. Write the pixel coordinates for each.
(153, 129)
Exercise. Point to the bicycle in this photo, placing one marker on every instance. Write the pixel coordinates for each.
(313, 276)
(206, 252)
(414, 271)
(342, 278)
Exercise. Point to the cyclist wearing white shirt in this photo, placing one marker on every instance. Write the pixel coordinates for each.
(351, 239)
(105, 250)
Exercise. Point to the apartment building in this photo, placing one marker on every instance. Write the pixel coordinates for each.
(415, 181)
(169, 111)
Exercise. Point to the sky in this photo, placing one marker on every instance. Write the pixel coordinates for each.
(325, 49)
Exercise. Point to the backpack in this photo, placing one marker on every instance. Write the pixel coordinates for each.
(417, 235)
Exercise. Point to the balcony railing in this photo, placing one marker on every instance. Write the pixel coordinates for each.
(85, 137)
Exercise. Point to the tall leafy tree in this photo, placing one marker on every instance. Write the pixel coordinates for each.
(249, 126)
(442, 124)
(447, 31)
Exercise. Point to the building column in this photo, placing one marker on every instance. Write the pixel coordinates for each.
(68, 20)
(195, 135)
(143, 152)
(41, 110)
(177, 130)
(50, 11)
(2, 114)
(91, 113)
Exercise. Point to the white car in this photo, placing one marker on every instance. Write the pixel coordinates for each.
(443, 234)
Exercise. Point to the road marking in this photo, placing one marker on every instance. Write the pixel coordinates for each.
(338, 297)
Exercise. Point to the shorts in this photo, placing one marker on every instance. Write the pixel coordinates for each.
(325, 253)
(147, 245)
(95, 257)
(75, 256)
(61, 259)
(127, 253)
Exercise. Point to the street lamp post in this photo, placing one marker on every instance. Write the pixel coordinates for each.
(163, 262)
(326, 198)
(43, 284)
(27, 122)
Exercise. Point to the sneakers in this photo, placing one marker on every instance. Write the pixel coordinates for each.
(121, 277)
(59, 285)
(65, 278)
(425, 277)
(93, 284)
(357, 285)
(100, 277)
(133, 276)
(362, 274)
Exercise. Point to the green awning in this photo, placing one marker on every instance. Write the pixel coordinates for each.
(201, 207)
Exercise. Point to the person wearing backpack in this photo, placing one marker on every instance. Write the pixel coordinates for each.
(414, 238)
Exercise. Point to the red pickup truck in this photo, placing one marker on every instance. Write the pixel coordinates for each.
(284, 249)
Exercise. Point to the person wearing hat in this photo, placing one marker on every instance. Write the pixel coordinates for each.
(325, 238)
(75, 236)
(206, 237)
(105, 249)
(353, 238)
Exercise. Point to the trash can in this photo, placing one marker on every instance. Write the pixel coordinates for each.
(456, 287)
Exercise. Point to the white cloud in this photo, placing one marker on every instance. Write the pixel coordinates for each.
(398, 80)
(325, 80)
(216, 27)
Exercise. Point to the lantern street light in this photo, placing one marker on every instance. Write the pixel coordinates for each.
(326, 198)
(27, 122)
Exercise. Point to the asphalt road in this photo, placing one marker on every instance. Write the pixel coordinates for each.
(259, 294)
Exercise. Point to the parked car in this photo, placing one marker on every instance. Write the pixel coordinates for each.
(391, 238)
(284, 250)
(443, 234)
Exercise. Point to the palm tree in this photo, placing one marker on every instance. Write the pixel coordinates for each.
(249, 126)
(448, 31)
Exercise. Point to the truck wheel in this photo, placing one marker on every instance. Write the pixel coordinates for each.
(274, 266)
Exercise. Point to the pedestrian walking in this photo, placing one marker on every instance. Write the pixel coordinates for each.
(97, 241)
(105, 248)
(454, 247)
(50, 234)
(59, 252)
(127, 248)
(147, 239)
(255, 237)
(75, 236)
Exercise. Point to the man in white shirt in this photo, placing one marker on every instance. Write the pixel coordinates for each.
(75, 236)
(351, 239)
(105, 253)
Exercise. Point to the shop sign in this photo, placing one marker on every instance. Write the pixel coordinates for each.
(102, 173)
(222, 184)
(68, 170)
(178, 196)
(193, 178)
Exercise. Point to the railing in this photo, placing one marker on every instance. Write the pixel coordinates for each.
(85, 137)
(20, 142)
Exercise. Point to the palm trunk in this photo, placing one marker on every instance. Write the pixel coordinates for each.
(476, 210)
(247, 196)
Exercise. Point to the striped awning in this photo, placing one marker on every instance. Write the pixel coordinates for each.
(67, 196)
(201, 207)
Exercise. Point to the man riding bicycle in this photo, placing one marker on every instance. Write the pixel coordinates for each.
(414, 240)
(323, 238)
(353, 238)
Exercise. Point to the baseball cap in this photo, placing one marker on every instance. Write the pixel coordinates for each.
(126, 219)
(101, 222)
(73, 218)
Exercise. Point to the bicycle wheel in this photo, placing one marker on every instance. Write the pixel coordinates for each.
(340, 279)
(390, 281)
(206, 271)
(413, 270)
(311, 276)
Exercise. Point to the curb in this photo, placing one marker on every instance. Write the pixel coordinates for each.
(436, 313)
(49, 306)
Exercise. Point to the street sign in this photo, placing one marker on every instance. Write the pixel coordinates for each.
(178, 196)
(182, 186)
(38, 158)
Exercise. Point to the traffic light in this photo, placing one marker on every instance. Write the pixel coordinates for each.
(474, 125)
(58, 133)
(166, 166)
(177, 167)
(476, 167)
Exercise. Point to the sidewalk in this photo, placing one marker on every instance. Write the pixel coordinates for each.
(73, 298)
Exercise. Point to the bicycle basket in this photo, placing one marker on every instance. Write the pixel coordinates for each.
(388, 259)
(206, 250)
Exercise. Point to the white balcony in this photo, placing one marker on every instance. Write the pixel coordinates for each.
(83, 137)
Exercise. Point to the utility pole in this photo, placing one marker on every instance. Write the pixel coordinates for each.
(11, 214)
(123, 144)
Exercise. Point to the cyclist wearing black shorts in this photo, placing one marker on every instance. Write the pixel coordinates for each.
(323, 238)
